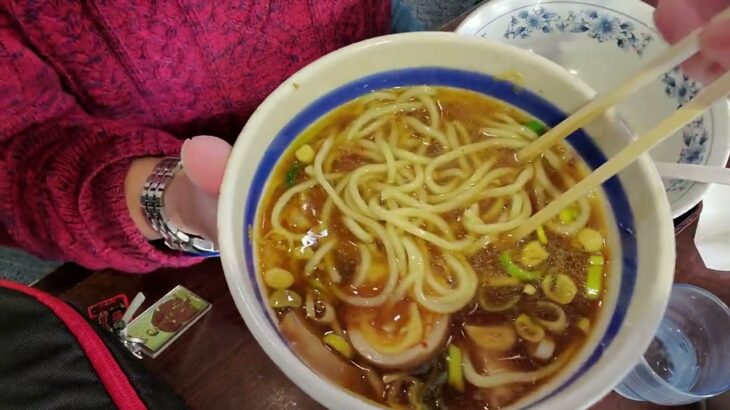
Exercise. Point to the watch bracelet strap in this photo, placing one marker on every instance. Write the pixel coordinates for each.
(152, 201)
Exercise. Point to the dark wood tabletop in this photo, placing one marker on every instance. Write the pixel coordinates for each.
(217, 364)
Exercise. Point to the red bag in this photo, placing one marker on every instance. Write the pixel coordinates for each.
(51, 357)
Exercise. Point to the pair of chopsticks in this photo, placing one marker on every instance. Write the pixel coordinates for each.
(667, 60)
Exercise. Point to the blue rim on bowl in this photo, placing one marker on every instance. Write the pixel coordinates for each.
(485, 84)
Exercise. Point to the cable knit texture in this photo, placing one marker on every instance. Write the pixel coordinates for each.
(87, 86)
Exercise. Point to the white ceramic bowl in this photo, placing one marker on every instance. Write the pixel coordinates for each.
(640, 228)
(602, 42)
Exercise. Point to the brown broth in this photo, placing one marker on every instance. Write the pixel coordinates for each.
(566, 257)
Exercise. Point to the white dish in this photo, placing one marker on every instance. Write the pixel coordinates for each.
(640, 232)
(602, 42)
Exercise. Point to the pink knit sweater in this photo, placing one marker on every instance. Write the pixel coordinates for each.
(86, 86)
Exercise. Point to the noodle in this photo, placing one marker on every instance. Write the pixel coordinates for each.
(494, 210)
(357, 230)
(319, 255)
(400, 226)
(414, 92)
(473, 223)
(389, 158)
(427, 131)
(456, 298)
(433, 111)
(364, 267)
(378, 96)
(370, 129)
(377, 112)
(413, 229)
(510, 377)
(443, 159)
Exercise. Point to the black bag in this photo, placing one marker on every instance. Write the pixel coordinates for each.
(51, 357)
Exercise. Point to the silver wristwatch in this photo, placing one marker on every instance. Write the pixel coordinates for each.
(153, 207)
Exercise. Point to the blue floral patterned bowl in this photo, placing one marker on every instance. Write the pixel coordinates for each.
(602, 42)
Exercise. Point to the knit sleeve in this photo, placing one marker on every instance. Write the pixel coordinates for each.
(62, 170)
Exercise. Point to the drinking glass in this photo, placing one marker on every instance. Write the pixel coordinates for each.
(689, 358)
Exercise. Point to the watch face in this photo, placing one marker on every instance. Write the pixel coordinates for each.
(153, 208)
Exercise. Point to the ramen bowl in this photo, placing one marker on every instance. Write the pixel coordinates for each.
(639, 233)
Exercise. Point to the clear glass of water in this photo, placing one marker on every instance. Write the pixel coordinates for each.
(689, 358)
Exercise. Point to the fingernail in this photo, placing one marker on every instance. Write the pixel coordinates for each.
(182, 149)
(202, 136)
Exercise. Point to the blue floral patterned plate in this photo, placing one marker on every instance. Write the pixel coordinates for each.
(603, 42)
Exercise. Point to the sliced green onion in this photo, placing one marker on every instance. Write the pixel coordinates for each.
(596, 260)
(541, 236)
(533, 254)
(528, 329)
(339, 344)
(594, 279)
(453, 360)
(584, 324)
(316, 283)
(536, 126)
(498, 338)
(515, 271)
(567, 215)
(496, 298)
(550, 310)
(291, 174)
(285, 298)
(303, 252)
(559, 288)
(415, 392)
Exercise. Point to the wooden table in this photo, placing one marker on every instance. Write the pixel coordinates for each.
(218, 365)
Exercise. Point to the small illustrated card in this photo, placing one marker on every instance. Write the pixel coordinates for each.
(167, 319)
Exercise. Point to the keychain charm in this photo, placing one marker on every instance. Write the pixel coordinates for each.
(163, 322)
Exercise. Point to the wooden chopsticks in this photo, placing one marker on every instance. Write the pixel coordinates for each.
(668, 59)
(626, 156)
(671, 57)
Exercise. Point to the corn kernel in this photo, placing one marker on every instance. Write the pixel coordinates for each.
(591, 239)
(305, 154)
(285, 298)
(584, 324)
(303, 252)
(278, 278)
(533, 254)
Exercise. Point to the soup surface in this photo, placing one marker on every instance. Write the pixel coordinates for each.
(384, 246)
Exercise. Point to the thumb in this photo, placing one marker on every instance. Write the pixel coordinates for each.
(204, 159)
(676, 18)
